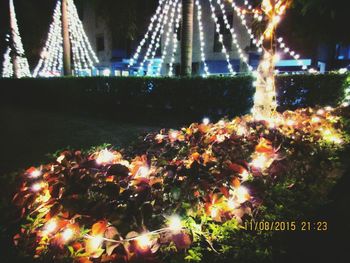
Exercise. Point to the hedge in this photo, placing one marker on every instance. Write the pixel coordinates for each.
(186, 98)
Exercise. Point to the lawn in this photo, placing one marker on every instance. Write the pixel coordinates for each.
(27, 136)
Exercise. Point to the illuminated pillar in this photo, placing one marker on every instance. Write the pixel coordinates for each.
(67, 67)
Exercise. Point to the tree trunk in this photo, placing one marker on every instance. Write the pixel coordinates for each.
(67, 67)
(187, 37)
(14, 54)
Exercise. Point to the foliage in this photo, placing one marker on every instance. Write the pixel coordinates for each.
(216, 97)
(215, 177)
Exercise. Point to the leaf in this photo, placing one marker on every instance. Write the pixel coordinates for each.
(99, 228)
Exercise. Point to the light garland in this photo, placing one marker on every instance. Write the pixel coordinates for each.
(159, 38)
(22, 66)
(242, 17)
(154, 39)
(221, 38)
(241, 54)
(175, 41)
(145, 38)
(167, 36)
(201, 37)
(51, 61)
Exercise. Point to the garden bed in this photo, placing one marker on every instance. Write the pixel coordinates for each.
(185, 195)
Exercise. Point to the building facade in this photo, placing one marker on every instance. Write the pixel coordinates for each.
(117, 60)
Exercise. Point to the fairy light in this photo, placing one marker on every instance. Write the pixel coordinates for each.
(146, 36)
(67, 234)
(95, 242)
(242, 194)
(35, 174)
(221, 38)
(38, 186)
(51, 61)
(175, 224)
(232, 204)
(175, 41)
(158, 40)
(144, 241)
(259, 162)
(104, 157)
(244, 175)
(242, 17)
(167, 35)
(206, 121)
(155, 39)
(240, 51)
(21, 61)
(214, 212)
(143, 172)
(265, 104)
(50, 226)
(201, 38)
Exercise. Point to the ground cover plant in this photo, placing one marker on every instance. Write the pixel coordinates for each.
(184, 195)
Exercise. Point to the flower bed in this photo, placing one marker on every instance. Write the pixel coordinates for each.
(182, 194)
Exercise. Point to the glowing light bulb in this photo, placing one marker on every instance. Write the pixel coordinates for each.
(242, 194)
(144, 241)
(67, 234)
(37, 187)
(175, 224)
(259, 162)
(105, 156)
(50, 226)
(95, 242)
(214, 212)
(206, 121)
(143, 171)
(244, 175)
(35, 174)
(231, 204)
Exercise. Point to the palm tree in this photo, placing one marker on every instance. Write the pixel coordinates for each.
(187, 37)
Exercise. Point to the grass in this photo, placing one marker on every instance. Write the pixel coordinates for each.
(27, 136)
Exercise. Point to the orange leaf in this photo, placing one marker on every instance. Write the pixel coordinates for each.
(235, 182)
(264, 146)
(99, 228)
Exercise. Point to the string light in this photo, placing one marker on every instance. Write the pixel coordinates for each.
(105, 157)
(145, 38)
(154, 38)
(50, 226)
(22, 66)
(67, 234)
(206, 121)
(51, 61)
(157, 45)
(144, 242)
(201, 38)
(221, 38)
(175, 224)
(175, 41)
(242, 17)
(167, 36)
(35, 173)
(241, 54)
